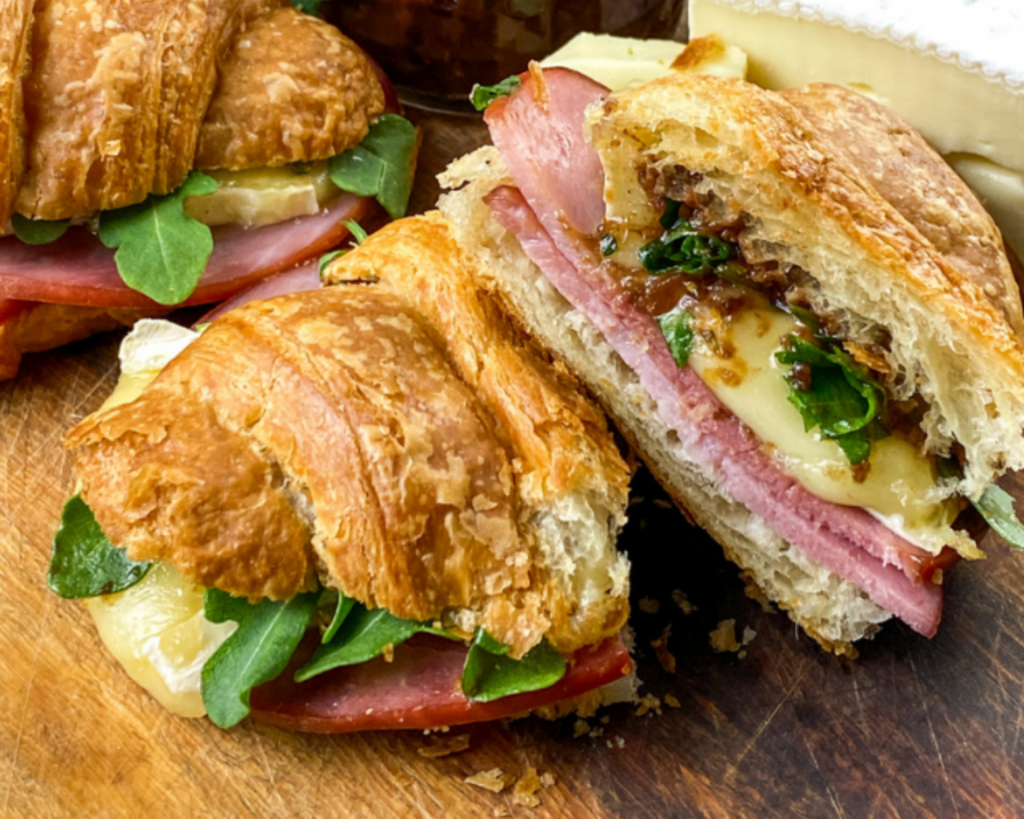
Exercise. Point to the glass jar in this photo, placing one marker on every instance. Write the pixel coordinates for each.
(436, 50)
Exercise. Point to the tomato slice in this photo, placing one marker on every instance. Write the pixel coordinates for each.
(419, 689)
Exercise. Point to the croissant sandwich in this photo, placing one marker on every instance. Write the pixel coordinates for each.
(373, 505)
(796, 312)
(161, 153)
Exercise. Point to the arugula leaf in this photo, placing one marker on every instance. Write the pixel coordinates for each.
(842, 399)
(308, 6)
(683, 249)
(267, 636)
(675, 326)
(381, 165)
(489, 674)
(84, 563)
(326, 259)
(345, 605)
(358, 232)
(363, 635)
(483, 95)
(161, 251)
(38, 231)
(997, 507)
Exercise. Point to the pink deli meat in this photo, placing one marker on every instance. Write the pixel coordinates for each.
(845, 540)
(420, 688)
(77, 269)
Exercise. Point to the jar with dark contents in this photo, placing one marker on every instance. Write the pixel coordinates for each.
(436, 50)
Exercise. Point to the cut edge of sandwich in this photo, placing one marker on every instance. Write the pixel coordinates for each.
(831, 609)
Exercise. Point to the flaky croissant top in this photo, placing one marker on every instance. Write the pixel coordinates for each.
(399, 441)
(103, 103)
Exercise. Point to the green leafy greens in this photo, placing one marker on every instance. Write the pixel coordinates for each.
(267, 636)
(996, 506)
(361, 635)
(359, 234)
(38, 231)
(842, 398)
(609, 244)
(683, 249)
(161, 251)
(483, 95)
(357, 635)
(308, 6)
(381, 165)
(491, 674)
(676, 327)
(84, 563)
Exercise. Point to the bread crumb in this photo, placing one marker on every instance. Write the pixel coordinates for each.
(723, 638)
(445, 747)
(525, 791)
(547, 780)
(649, 606)
(494, 780)
(597, 732)
(672, 702)
(647, 704)
(665, 657)
(748, 635)
(580, 728)
(680, 599)
(753, 591)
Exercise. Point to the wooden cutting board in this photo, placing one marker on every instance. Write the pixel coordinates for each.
(914, 727)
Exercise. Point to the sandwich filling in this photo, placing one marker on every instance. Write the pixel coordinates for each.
(766, 394)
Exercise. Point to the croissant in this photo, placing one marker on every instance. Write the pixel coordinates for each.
(103, 104)
(399, 442)
(117, 94)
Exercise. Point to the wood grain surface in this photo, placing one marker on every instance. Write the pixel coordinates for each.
(914, 727)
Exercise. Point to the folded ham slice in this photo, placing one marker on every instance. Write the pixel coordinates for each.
(77, 269)
(557, 233)
(419, 688)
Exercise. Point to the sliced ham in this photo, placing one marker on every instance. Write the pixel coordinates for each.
(845, 540)
(419, 689)
(296, 280)
(77, 269)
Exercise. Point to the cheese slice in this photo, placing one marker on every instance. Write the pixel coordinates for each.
(902, 488)
(263, 196)
(954, 69)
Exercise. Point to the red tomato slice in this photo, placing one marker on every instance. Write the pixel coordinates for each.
(419, 689)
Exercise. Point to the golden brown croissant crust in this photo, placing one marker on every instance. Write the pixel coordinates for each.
(117, 92)
(15, 25)
(293, 89)
(345, 434)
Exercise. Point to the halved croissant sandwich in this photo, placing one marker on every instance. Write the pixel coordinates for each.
(800, 317)
(111, 111)
(366, 478)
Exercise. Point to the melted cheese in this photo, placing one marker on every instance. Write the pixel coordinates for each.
(156, 628)
(901, 485)
(262, 196)
(157, 631)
